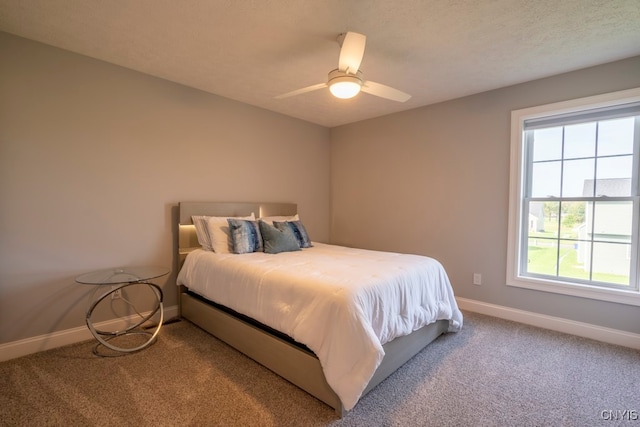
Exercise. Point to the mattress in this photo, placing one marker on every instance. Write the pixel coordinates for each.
(342, 303)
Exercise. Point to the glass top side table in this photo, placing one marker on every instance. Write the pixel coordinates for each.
(120, 278)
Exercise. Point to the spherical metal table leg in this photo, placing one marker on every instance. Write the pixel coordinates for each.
(131, 330)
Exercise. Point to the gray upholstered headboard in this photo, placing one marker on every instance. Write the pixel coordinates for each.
(187, 239)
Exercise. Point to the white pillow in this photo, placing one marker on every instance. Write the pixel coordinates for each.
(202, 232)
(219, 233)
(269, 219)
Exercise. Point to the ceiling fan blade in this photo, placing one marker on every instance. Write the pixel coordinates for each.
(303, 90)
(351, 52)
(384, 91)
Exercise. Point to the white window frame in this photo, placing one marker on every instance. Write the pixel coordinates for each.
(516, 192)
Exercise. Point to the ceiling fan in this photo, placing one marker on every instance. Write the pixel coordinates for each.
(347, 80)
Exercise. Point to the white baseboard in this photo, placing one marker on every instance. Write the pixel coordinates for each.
(32, 345)
(28, 346)
(586, 330)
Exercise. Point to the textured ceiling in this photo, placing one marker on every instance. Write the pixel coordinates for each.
(253, 50)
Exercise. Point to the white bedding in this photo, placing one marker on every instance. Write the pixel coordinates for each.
(342, 303)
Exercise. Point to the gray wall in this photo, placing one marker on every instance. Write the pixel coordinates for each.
(95, 157)
(435, 181)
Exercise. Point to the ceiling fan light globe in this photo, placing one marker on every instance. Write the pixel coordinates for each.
(345, 85)
(344, 89)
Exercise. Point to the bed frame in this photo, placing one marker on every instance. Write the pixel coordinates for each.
(291, 361)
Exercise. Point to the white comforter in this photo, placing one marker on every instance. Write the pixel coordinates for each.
(342, 303)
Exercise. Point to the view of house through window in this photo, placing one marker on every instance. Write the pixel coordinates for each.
(578, 203)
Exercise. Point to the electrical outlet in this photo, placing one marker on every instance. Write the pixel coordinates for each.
(477, 279)
(116, 294)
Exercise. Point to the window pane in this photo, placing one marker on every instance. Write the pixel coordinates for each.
(611, 263)
(580, 141)
(572, 220)
(543, 219)
(542, 235)
(613, 221)
(577, 179)
(542, 255)
(570, 267)
(614, 176)
(547, 144)
(583, 258)
(536, 219)
(546, 179)
(615, 136)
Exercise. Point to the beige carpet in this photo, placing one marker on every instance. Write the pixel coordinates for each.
(493, 373)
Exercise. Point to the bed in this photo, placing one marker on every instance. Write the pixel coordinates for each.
(300, 313)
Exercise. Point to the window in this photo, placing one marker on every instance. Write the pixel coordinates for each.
(574, 198)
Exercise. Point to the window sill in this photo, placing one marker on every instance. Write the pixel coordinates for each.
(620, 296)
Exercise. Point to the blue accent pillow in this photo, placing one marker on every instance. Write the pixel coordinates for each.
(245, 236)
(298, 230)
(276, 241)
